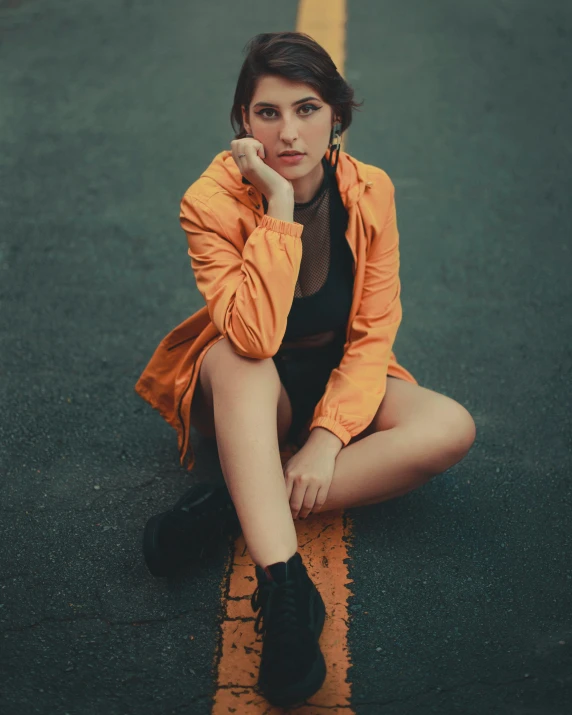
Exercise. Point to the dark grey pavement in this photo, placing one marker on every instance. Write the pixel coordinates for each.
(108, 111)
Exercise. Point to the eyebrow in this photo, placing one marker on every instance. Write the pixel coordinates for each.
(269, 104)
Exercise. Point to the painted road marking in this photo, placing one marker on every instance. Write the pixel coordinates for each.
(323, 543)
(323, 539)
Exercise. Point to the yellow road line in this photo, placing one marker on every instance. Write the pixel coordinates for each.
(323, 544)
(323, 539)
(325, 21)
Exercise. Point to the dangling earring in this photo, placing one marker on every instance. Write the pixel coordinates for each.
(335, 144)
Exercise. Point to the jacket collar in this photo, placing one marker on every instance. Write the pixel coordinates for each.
(350, 176)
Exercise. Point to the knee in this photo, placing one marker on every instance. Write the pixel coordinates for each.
(224, 367)
(222, 357)
(453, 433)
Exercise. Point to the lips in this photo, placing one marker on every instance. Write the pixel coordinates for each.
(293, 153)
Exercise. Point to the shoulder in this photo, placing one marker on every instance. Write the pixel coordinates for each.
(208, 204)
(371, 183)
(378, 177)
(218, 185)
(209, 193)
(376, 191)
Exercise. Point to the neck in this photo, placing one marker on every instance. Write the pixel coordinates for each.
(307, 186)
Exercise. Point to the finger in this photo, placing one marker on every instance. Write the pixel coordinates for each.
(247, 150)
(258, 146)
(320, 499)
(297, 499)
(240, 146)
(236, 149)
(252, 148)
(289, 486)
(244, 157)
(309, 501)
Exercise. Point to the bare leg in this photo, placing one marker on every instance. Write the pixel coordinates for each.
(382, 466)
(245, 395)
(417, 434)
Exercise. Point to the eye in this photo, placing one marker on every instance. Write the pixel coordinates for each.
(309, 106)
(304, 106)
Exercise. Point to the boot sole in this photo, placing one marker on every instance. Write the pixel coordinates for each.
(296, 694)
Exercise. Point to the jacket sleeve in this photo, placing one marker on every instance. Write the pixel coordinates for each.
(248, 294)
(356, 388)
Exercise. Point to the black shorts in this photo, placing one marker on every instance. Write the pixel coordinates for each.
(304, 372)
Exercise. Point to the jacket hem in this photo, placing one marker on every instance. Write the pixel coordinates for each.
(333, 426)
(280, 226)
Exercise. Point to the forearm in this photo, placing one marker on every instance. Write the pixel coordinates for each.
(233, 274)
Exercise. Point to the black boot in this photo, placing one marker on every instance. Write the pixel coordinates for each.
(292, 667)
(203, 515)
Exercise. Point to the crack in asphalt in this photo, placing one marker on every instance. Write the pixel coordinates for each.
(96, 617)
(328, 526)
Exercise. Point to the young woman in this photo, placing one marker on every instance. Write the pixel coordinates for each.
(295, 249)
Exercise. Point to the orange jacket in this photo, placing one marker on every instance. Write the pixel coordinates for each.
(246, 265)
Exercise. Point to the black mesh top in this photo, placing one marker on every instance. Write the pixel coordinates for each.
(323, 293)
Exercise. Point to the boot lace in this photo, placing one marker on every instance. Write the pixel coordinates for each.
(281, 598)
(287, 645)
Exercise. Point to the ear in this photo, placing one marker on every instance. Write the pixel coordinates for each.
(245, 120)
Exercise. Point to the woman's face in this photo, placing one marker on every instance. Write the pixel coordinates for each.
(289, 123)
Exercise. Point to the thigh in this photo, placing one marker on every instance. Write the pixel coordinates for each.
(408, 405)
(202, 409)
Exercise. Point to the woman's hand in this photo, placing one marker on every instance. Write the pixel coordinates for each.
(252, 167)
(308, 475)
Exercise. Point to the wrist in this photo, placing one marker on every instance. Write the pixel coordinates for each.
(284, 197)
(282, 209)
(326, 439)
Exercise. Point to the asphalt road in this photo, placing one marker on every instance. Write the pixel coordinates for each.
(108, 111)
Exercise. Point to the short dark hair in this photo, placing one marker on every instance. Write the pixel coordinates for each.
(297, 57)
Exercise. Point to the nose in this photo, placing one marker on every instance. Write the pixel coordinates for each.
(289, 132)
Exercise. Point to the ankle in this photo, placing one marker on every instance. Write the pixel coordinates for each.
(280, 571)
(280, 558)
